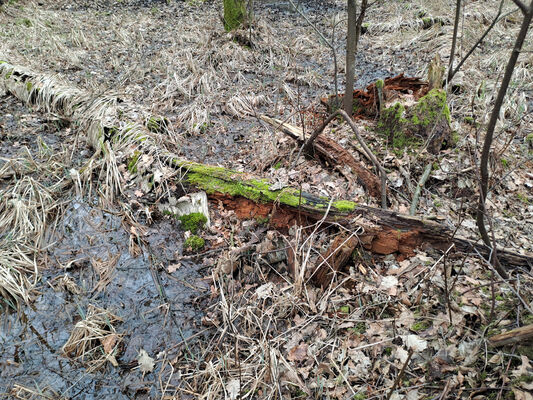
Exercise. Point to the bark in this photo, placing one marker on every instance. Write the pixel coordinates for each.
(518, 335)
(487, 145)
(350, 57)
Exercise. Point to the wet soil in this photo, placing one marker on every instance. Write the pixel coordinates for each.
(159, 311)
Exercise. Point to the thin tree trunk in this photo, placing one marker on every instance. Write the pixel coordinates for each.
(350, 57)
(454, 38)
(484, 169)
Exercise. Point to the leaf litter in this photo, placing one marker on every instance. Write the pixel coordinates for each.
(266, 334)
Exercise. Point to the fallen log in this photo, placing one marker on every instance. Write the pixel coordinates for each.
(385, 231)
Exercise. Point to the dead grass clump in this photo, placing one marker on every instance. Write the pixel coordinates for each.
(94, 340)
(20, 392)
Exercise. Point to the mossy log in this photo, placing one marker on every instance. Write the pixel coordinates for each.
(385, 232)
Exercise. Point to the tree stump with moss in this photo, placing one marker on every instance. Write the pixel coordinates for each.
(426, 122)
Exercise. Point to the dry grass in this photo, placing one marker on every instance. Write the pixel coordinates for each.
(94, 340)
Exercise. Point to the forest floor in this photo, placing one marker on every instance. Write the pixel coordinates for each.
(100, 297)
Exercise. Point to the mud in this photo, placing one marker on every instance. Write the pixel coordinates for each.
(160, 311)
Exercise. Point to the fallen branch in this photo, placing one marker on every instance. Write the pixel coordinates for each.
(309, 145)
(419, 188)
(331, 152)
(518, 335)
(385, 232)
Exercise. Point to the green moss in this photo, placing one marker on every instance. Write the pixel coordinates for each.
(380, 83)
(344, 205)
(255, 189)
(234, 14)
(195, 243)
(277, 165)
(29, 86)
(345, 309)
(420, 326)
(431, 108)
(132, 162)
(193, 222)
(391, 124)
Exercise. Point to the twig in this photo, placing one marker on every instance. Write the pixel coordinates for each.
(328, 43)
(524, 303)
(451, 74)
(419, 188)
(397, 380)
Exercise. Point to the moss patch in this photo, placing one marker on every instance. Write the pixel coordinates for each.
(430, 109)
(234, 14)
(193, 222)
(132, 162)
(195, 243)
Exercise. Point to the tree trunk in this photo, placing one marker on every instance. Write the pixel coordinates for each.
(235, 14)
(350, 57)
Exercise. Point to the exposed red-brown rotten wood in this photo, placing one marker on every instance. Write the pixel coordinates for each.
(335, 154)
(336, 257)
(365, 101)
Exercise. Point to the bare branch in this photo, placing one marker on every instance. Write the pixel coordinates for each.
(521, 6)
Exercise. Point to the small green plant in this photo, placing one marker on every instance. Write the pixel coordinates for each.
(193, 222)
(420, 326)
(277, 165)
(523, 198)
(195, 243)
(132, 162)
(24, 21)
(345, 309)
(505, 162)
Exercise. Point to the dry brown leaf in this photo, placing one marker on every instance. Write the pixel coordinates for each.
(298, 353)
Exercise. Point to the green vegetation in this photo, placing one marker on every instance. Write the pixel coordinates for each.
(156, 124)
(522, 197)
(132, 162)
(195, 243)
(193, 222)
(24, 22)
(430, 109)
(235, 14)
(505, 162)
(420, 326)
(344, 205)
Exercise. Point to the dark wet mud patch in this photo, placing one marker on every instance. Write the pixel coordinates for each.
(158, 309)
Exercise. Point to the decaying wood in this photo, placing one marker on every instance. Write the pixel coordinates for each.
(518, 335)
(385, 231)
(333, 154)
(334, 259)
(366, 101)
